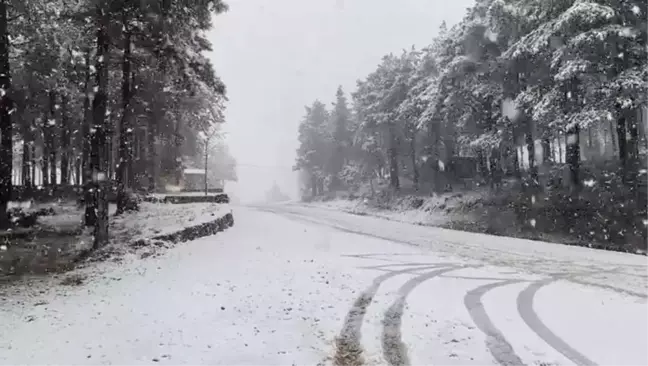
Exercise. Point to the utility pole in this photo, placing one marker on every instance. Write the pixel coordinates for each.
(207, 138)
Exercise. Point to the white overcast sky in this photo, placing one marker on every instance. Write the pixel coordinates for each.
(276, 56)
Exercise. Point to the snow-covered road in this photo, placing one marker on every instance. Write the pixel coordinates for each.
(300, 285)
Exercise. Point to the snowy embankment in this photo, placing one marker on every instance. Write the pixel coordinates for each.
(477, 212)
(432, 211)
(60, 241)
(155, 219)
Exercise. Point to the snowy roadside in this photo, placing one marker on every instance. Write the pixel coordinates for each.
(135, 235)
(620, 272)
(159, 218)
(431, 211)
(61, 243)
(464, 212)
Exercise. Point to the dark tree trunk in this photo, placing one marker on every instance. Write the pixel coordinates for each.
(65, 141)
(152, 168)
(32, 153)
(90, 216)
(573, 155)
(516, 161)
(482, 165)
(621, 130)
(496, 170)
(530, 146)
(99, 141)
(157, 115)
(176, 149)
(24, 170)
(45, 156)
(6, 133)
(51, 124)
(572, 146)
(433, 149)
(547, 156)
(392, 153)
(125, 130)
(632, 147)
(415, 168)
(78, 168)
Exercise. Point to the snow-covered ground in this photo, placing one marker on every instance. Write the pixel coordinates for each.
(49, 252)
(430, 215)
(189, 194)
(300, 285)
(164, 218)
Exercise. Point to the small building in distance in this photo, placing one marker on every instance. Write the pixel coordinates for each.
(193, 179)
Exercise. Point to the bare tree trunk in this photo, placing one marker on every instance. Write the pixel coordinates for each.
(415, 168)
(125, 129)
(157, 116)
(433, 151)
(482, 165)
(546, 150)
(78, 166)
(25, 164)
(152, 153)
(177, 139)
(622, 143)
(65, 141)
(45, 156)
(90, 216)
(32, 153)
(99, 105)
(573, 155)
(632, 147)
(6, 130)
(530, 146)
(572, 146)
(206, 168)
(49, 138)
(392, 153)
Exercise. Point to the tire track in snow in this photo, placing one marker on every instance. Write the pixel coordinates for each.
(349, 350)
(394, 350)
(525, 308)
(497, 344)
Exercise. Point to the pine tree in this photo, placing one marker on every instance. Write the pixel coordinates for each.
(341, 137)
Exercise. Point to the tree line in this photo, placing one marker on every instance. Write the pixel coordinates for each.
(518, 89)
(95, 91)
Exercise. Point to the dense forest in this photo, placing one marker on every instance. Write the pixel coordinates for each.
(541, 102)
(106, 95)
